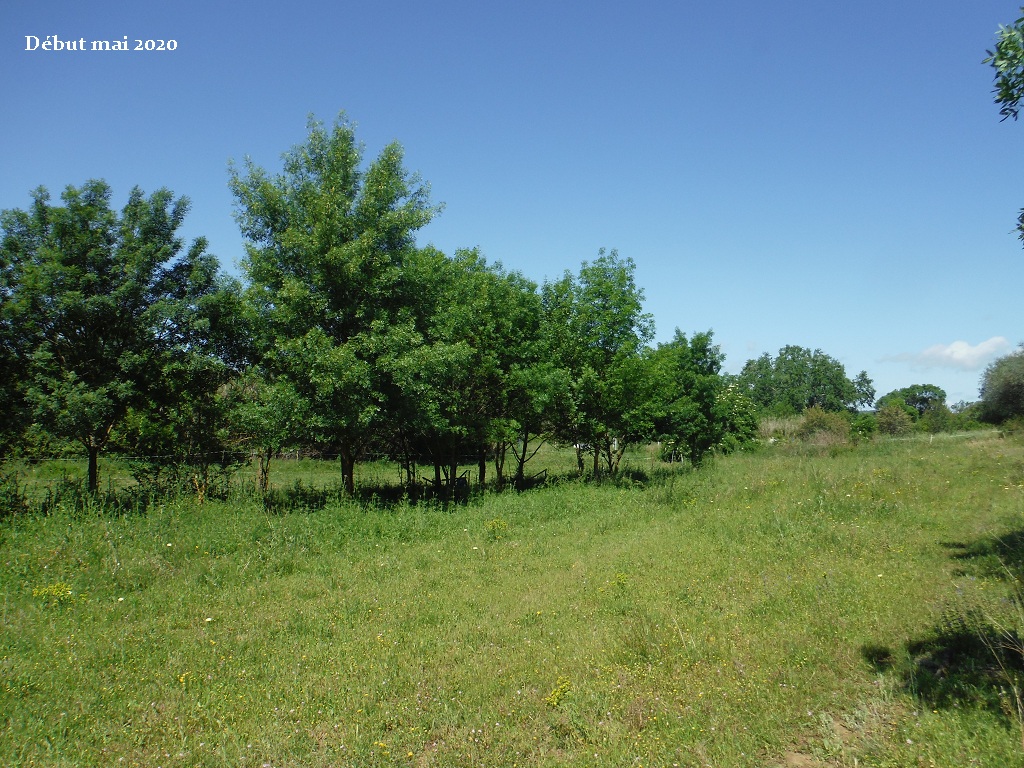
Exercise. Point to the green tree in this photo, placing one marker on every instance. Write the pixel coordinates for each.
(920, 397)
(597, 329)
(180, 435)
(798, 379)
(864, 389)
(265, 417)
(14, 412)
(476, 381)
(690, 418)
(106, 301)
(326, 245)
(1007, 61)
(1002, 388)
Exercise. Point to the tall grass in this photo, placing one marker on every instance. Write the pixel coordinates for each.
(768, 605)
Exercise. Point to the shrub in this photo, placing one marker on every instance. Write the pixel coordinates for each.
(824, 427)
(863, 426)
(1014, 426)
(894, 420)
(936, 418)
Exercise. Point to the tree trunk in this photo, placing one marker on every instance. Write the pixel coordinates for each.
(499, 463)
(94, 472)
(481, 467)
(521, 460)
(348, 466)
(263, 473)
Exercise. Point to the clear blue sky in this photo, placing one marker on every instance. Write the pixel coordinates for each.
(830, 175)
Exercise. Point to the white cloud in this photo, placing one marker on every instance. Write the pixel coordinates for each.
(959, 355)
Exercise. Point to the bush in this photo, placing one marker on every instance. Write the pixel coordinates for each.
(894, 420)
(863, 426)
(936, 418)
(823, 427)
(966, 416)
(1014, 427)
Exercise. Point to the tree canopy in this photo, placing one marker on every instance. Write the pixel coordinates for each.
(1007, 62)
(798, 379)
(346, 338)
(1002, 388)
(100, 303)
(326, 245)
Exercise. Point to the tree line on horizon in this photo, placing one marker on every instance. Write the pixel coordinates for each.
(345, 338)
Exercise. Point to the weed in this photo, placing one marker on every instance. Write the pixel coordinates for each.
(55, 595)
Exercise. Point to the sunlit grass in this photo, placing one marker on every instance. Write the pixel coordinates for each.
(713, 618)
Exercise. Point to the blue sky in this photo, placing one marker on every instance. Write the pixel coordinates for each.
(830, 175)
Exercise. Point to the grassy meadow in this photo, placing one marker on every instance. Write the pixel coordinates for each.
(793, 607)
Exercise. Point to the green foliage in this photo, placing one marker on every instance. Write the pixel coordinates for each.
(596, 329)
(824, 427)
(697, 410)
(265, 417)
(106, 305)
(798, 379)
(863, 426)
(12, 495)
(1002, 388)
(916, 399)
(326, 245)
(894, 420)
(937, 418)
(1007, 61)
(739, 417)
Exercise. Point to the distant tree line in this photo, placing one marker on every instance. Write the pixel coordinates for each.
(345, 338)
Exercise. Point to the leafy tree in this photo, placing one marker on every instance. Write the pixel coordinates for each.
(1007, 60)
(472, 322)
(696, 407)
(1002, 388)
(105, 302)
(265, 416)
(937, 418)
(596, 328)
(920, 398)
(326, 244)
(14, 414)
(180, 435)
(798, 379)
(966, 415)
(864, 389)
(500, 394)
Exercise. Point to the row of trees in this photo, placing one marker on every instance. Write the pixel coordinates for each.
(344, 336)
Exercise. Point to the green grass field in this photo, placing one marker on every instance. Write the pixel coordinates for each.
(793, 607)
